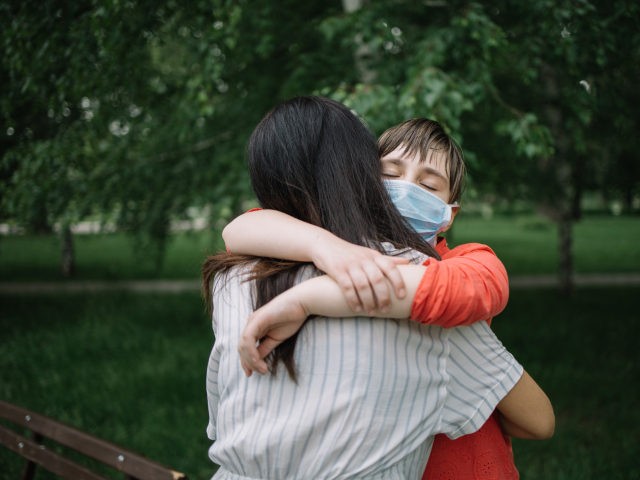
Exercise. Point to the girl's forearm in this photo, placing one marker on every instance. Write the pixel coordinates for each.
(285, 314)
(323, 296)
(360, 271)
(527, 411)
(269, 233)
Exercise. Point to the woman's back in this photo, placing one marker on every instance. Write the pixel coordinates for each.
(370, 395)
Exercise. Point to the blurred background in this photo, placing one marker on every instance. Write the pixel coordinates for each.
(122, 143)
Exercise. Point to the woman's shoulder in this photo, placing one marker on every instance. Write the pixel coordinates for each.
(233, 280)
(413, 256)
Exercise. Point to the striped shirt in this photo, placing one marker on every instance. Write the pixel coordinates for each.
(371, 394)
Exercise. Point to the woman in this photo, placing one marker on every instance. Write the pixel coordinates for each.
(469, 285)
(363, 398)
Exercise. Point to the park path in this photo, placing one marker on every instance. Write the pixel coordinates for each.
(179, 286)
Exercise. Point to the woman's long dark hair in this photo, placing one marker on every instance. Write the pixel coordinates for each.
(313, 159)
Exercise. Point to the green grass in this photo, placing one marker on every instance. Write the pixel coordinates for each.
(583, 352)
(130, 368)
(529, 244)
(127, 368)
(526, 244)
(107, 256)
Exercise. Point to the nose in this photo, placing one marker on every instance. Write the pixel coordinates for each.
(409, 177)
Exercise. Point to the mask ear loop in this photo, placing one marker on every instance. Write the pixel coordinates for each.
(455, 208)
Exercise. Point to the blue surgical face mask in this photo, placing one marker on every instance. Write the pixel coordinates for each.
(427, 214)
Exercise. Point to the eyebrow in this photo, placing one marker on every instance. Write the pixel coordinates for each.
(427, 169)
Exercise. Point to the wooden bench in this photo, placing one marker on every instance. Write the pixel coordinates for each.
(132, 465)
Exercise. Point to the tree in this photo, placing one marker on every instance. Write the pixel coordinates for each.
(563, 57)
(529, 73)
(65, 95)
(136, 111)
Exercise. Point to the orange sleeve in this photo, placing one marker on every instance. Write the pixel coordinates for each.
(469, 284)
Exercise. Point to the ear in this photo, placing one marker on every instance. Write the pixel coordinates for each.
(454, 211)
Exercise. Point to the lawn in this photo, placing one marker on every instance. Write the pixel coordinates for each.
(130, 368)
(106, 256)
(527, 244)
(583, 352)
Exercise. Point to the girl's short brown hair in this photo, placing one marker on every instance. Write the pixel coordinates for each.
(420, 135)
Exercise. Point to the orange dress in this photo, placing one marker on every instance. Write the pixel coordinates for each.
(487, 453)
(483, 455)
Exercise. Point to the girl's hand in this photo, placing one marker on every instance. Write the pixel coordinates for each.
(267, 328)
(364, 275)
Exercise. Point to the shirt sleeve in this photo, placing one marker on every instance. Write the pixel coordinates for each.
(469, 284)
(213, 366)
(481, 373)
(213, 396)
(229, 304)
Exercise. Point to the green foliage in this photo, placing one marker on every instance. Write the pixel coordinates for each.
(516, 84)
(139, 110)
(530, 139)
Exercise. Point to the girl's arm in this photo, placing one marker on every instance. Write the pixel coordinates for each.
(359, 271)
(284, 315)
(469, 285)
(526, 410)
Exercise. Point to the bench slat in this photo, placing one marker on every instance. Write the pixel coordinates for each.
(108, 453)
(53, 462)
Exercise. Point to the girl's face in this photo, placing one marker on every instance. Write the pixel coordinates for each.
(430, 174)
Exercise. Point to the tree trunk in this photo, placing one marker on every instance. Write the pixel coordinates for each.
(38, 221)
(68, 265)
(627, 199)
(565, 224)
(561, 178)
(363, 51)
(565, 219)
(578, 188)
(565, 246)
(629, 181)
